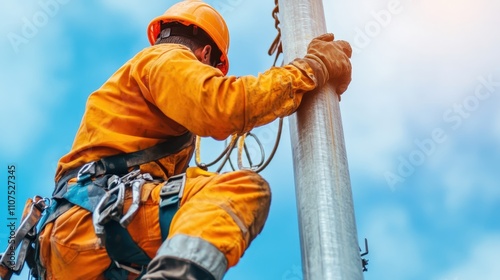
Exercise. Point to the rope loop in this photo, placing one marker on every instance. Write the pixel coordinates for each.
(238, 142)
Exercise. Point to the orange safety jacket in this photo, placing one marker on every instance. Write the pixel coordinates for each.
(164, 91)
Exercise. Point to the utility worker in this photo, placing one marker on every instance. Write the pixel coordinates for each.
(175, 87)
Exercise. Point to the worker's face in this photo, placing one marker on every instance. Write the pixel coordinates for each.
(203, 54)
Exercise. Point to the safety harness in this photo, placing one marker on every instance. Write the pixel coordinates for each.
(100, 189)
(12, 260)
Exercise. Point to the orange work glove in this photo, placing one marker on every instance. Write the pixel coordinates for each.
(329, 60)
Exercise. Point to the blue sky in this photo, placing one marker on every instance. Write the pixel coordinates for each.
(421, 120)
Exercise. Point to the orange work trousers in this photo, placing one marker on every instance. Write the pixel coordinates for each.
(227, 210)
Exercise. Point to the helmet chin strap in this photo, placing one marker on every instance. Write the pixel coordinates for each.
(173, 29)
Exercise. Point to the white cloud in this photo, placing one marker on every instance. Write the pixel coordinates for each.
(413, 70)
(415, 64)
(393, 244)
(480, 263)
(466, 184)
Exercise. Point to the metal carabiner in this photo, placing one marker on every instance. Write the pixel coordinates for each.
(98, 228)
(114, 210)
(107, 210)
(103, 214)
(86, 172)
(41, 203)
(136, 200)
(130, 176)
(23, 238)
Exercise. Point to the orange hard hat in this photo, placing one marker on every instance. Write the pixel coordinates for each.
(200, 14)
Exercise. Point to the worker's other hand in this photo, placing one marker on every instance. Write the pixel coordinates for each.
(330, 61)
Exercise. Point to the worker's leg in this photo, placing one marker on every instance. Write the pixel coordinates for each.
(219, 216)
(69, 248)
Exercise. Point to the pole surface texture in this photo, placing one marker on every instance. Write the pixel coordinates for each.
(328, 234)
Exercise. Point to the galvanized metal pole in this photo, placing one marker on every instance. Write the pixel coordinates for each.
(328, 234)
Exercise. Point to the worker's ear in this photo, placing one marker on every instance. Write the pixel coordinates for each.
(205, 54)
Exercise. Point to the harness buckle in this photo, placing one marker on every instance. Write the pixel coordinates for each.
(171, 192)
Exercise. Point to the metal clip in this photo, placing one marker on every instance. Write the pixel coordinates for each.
(112, 182)
(137, 183)
(130, 176)
(86, 172)
(24, 236)
(136, 200)
(114, 210)
(110, 207)
(103, 214)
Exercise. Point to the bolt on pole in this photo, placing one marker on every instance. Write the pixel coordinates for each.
(328, 236)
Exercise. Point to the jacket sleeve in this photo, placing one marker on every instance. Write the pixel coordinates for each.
(207, 103)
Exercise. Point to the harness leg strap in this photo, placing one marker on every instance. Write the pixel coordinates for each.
(121, 247)
(23, 238)
(170, 198)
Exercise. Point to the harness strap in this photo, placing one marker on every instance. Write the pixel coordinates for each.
(170, 198)
(119, 164)
(166, 215)
(24, 236)
(56, 209)
(124, 252)
(121, 248)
